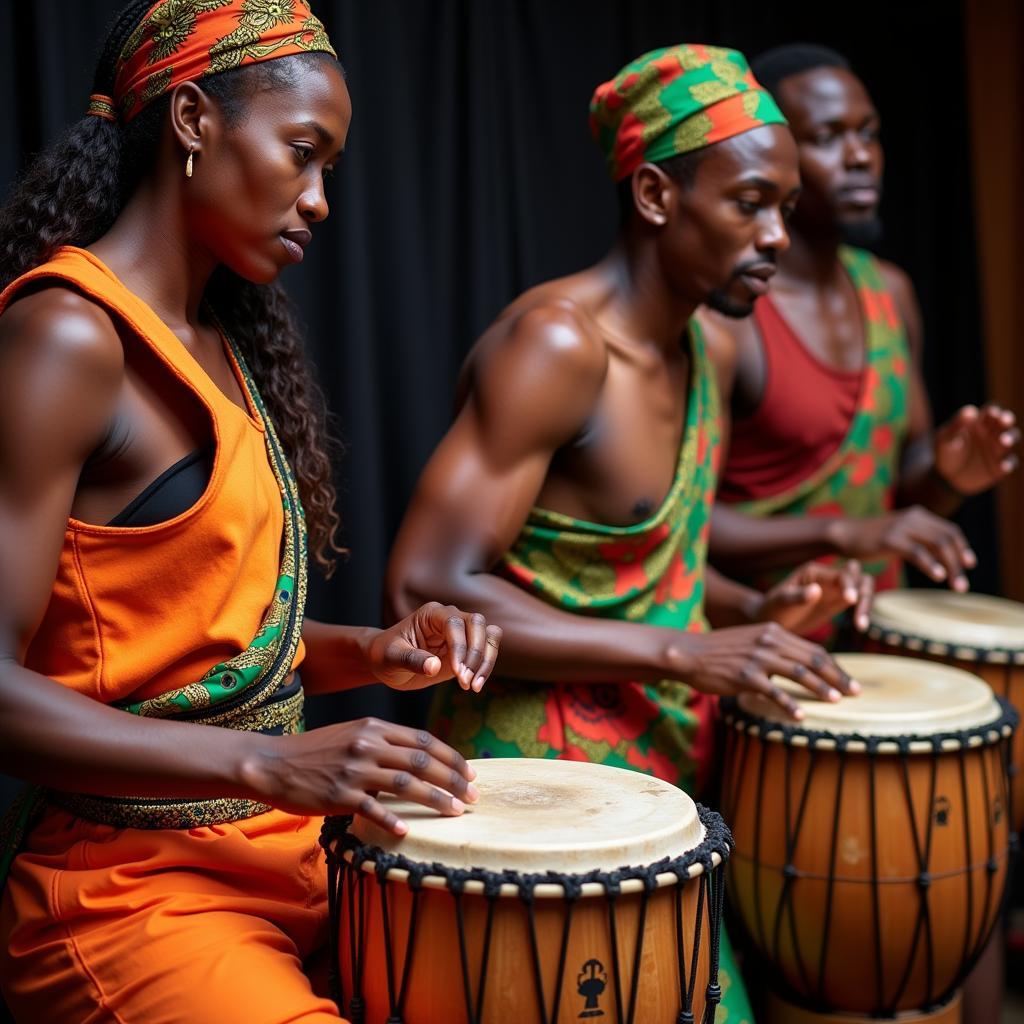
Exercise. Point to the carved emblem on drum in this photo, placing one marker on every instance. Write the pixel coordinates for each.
(852, 850)
(591, 984)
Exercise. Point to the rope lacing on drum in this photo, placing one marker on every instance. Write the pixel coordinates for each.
(346, 856)
(962, 741)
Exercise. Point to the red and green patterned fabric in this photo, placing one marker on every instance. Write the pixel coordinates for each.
(860, 478)
(653, 573)
(675, 100)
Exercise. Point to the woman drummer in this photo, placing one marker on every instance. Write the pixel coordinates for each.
(159, 439)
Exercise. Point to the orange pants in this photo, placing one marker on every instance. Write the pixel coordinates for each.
(121, 926)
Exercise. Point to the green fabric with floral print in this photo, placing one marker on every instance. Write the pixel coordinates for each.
(651, 573)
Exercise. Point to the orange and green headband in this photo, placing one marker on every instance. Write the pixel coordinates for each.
(183, 40)
(675, 100)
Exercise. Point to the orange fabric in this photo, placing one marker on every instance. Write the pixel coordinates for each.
(205, 37)
(138, 611)
(206, 926)
(121, 926)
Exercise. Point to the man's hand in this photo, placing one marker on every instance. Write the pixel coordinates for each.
(930, 543)
(434, 643)
(977, 448)
(814, 594)
(744, 658)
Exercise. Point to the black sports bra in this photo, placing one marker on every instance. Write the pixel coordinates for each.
(174, 491)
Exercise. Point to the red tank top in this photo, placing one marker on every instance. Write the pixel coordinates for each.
(804, 414)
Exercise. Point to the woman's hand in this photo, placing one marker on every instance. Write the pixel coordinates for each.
(814, 594)
(340, 769)
(435, 643)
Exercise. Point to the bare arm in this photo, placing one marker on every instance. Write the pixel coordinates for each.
(970, 453)
(61, 368)
(430, 645)
(745, 544)
(532, 392)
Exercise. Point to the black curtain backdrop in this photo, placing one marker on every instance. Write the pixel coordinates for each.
(470, 175)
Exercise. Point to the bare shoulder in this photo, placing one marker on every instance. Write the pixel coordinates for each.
(538, 372)
(899, 284)
(897, 280)
(545, 334)
(59, 328)
(61, 370)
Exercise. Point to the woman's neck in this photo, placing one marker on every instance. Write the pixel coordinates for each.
(149, 250)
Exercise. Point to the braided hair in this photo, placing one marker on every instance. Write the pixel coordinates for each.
(72, 193)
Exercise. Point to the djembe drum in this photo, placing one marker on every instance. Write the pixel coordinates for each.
(871, 838)
(570, 891)
(975, 632)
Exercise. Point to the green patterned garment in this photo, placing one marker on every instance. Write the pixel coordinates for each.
(860, 477)
(652, 573)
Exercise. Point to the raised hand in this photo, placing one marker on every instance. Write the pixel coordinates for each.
(340, 769)
(930, 543)
(435, 643)
(977, 448)
(744, 659)
(812, 595)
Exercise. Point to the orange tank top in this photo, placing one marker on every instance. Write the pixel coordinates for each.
(138, 611)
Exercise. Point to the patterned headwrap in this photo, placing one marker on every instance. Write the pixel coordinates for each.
(183, 40)
(675, 100)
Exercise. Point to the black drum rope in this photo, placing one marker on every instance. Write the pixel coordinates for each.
(1007, 658)
(833, 853)
(789, 872)
(757, 845)
(638, 947)
(751, 726)
(714, 884)
(875, 894)
(346, 856)
(967, 953)
(611, 894)
(492, 901)
(695, 952)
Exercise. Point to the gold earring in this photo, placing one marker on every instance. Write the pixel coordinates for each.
(188, 165)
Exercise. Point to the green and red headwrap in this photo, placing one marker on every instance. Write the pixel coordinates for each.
(184, 40)
(676, 100)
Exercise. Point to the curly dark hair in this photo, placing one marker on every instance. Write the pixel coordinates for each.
(73, 192)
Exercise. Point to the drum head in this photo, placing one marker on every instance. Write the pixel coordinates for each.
(536, 815)
(966, 620)
(899, 697)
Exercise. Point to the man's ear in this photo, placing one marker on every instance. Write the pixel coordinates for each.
(652, 194)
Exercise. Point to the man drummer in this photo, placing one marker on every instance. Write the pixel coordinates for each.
(570, 499)
(830, 420)
(831, 424)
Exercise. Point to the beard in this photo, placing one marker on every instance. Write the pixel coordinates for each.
(721, 302)
(861, 233)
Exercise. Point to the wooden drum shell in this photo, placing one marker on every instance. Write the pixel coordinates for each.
(870, 881)
(1005, 676)
(569, 891)
(435, 984)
